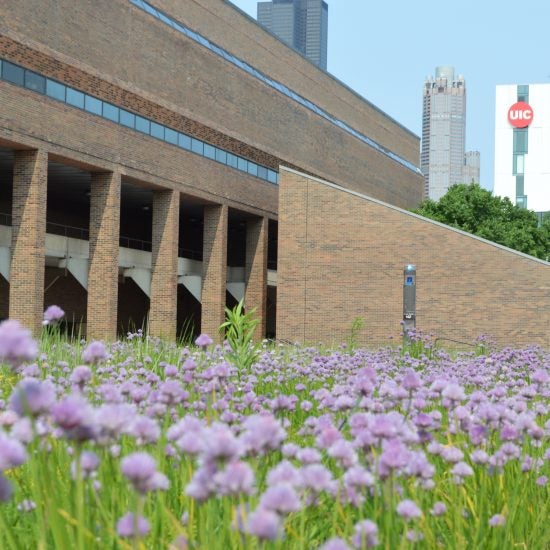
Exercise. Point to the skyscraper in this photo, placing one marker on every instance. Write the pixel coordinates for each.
(302, 24)
(443, 160)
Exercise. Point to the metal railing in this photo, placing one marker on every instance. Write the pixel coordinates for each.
(74, 232)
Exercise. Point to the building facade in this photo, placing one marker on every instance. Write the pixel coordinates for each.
(302, 24)
(139, 164)
(522, 145)
(443, 157)
(342, 255)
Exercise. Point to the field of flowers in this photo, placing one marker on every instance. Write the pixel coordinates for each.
(144, 444)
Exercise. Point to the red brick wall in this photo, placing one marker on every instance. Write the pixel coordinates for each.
(75, 137)
(28, 240)
(341, 256)
(145, 65)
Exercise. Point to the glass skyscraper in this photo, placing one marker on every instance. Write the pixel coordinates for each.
(443, 159)
(302, 24)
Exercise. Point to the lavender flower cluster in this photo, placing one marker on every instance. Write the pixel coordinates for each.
(364, 434)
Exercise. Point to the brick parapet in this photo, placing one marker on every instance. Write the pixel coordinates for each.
(30, 184)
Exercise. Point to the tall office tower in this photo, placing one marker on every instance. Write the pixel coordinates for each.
(443, 131)
(302, 24)
(471, 167)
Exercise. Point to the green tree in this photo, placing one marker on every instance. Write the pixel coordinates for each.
(473, 209)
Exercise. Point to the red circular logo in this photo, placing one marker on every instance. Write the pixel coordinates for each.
(520, 114)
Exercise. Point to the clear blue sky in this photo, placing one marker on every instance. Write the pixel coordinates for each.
(384, 51)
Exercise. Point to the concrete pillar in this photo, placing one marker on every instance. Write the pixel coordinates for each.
(164, 273)
(214, 270)
(28, 242)
(255, 294)
(104, 251)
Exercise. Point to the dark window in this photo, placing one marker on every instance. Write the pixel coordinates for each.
(127, 119)
(197, 146)
(232, 160)
(110, 112)
(93, 105)
(184, 141)
(157, 130)
(55, 90)
(171, 136)
(521, 140)
(13, 73)
(75, 98)
(209, 151)
(520, 186)
(523, 92)
(252, 168)
(143, 125)
(521, 201)
(242, 164)
(35, 82)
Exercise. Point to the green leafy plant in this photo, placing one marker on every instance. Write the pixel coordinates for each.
(356, 327)
(239, 330)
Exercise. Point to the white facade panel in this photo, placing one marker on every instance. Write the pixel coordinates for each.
(536, 162)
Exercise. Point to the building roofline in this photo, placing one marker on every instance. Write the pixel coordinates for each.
(325, 72)
(283, 168)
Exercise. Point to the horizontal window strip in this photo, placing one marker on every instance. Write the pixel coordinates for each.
(20, 76)
(196, 37)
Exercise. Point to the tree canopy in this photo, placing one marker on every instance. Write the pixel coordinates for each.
(473, 209)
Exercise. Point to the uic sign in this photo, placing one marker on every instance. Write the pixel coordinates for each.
(520, 114)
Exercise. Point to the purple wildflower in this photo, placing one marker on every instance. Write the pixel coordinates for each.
(81, 375)
(31, 397)
(6, 489)
(438, 509)
(235, 479)
(264, 524)
(498, 520)
(140, 469)
(316, 477)
(95, 352)
(16, 344)
(220, 443)
(335, 543)
(12, 452)
(284, 472)
(262, 433)
(53, 314)
(365, 534)
(131, 526)
(203, 340)
(89, 463)
(282, 499)
(408, 509)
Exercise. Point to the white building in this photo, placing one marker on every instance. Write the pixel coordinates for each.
(522, 145)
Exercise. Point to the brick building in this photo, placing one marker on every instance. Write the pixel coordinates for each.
(141, 147)
(140, 144)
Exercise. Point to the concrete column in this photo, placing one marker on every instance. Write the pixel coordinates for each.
(214, 270)
(255, 294)
(104, 251)
(28, 242)
(164, 273)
